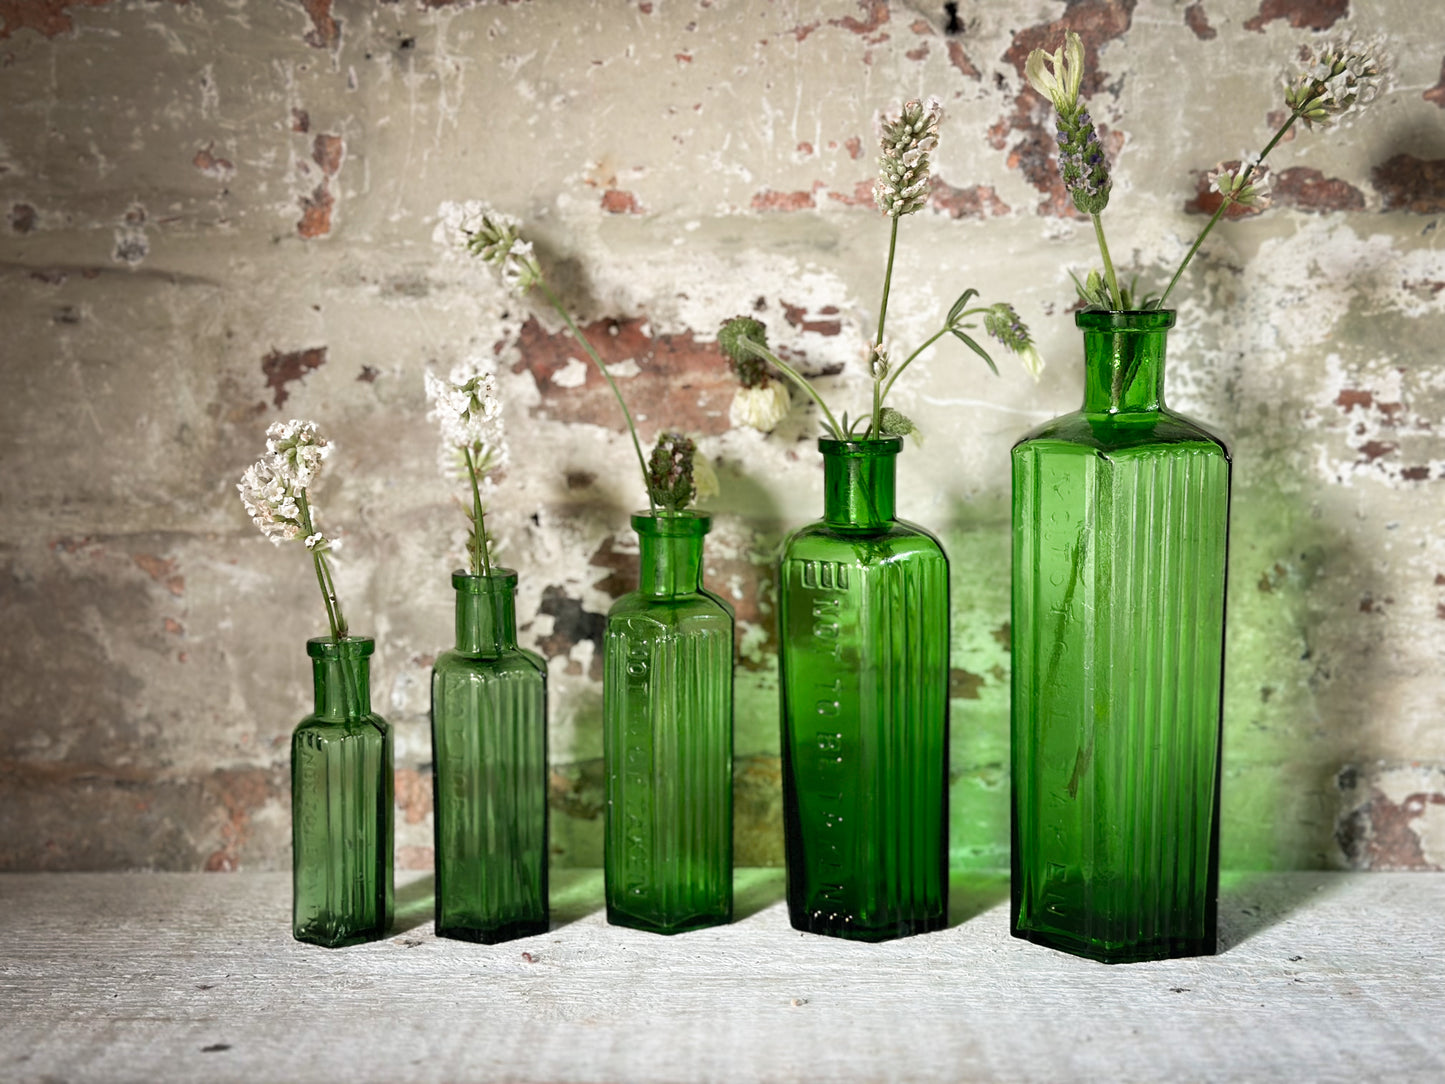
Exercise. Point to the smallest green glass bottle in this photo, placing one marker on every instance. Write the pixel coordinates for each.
(489, 770)
(341, 803)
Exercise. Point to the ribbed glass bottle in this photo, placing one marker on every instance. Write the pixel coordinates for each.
(341, 803)
(864, 659)
(667, 738)
(489, 770)
(1120, 535)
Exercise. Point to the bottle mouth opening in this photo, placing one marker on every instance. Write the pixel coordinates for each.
(881, 446)
(504, 578)
(349, 647)
(664, 524)
(1125, 319)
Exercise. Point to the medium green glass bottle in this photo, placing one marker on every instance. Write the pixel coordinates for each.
(864, 659)
(667, 738)
(1120, 536)
(489, 770)
(341, 803)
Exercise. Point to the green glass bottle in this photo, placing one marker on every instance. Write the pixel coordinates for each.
(341, 803)
(863, 613)
(667, 738)
(1120, 535)
(489, 770)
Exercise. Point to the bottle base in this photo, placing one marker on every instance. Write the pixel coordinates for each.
(339, 937)
(494, 935)
(849, 928)
(1131, 952)
(682, 925)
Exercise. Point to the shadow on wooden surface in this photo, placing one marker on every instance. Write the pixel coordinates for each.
(756, 890)
(1251, 901)
(971, 893)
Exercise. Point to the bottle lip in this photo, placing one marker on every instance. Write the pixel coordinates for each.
(1125, 319)
(505, 578)
(881, 446)
(349, 647)
(685, 524)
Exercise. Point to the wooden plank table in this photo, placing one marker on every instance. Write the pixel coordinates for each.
(195, 977)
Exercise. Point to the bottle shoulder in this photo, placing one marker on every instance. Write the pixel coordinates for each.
(512, 661)
(704, 603)
(902, 540)
(338, 729)
(1084, 433)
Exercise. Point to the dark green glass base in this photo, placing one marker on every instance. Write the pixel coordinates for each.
(682, 925)
(1134, 952)
(850, 929)
(328, 935)
(495, 935)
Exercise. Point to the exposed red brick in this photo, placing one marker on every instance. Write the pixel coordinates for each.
(1302, 14)
(572, 623)
(1407, 183)
(174, 627)
(921, 53)
(1415, 474)
(1374, 449)
(875, 14)
(1349, 398)
(798, 317)
(1095, 21)
(325, 32)
(240, 793)
(978, 201)
(645, 7)
(315, 218)
(413, 795)
(368, 375)
(300, 120)
(281, 369)
(805, 148)
(615, 201)
(1440, 579)
(1380, 834)
(47, 17)
(1003, 636)
(209, 163)
(1197, 21)
(959, 59)
(415, 857)
(963, 685)
(1436, 93)
(163, 571)
(854, 146)
(1310, 190)
(682, 58)
(22, 217)
(326, 152)
(769, 200)
(861, 196)
(801, 32)
(921, 26)
(681, 383)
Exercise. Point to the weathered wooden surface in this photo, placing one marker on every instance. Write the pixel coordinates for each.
(189, 977)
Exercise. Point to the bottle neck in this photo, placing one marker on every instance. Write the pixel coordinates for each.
(486, 612)
(670, 548)
(1124, 361)
(341, 676)
(858, 482)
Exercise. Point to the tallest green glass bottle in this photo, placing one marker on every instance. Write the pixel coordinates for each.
(1120, 536)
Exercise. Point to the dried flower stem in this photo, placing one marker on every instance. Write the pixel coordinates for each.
(334, 616)
(1224, 203)
(877, 427)
(602, 368)
(481, 560)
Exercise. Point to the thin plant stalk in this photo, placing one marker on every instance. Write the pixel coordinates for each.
(481, 560)
(798, 379)
(334, 617)
(602, 368)
(1224, 205)
(1109, 275)
(882, 319)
